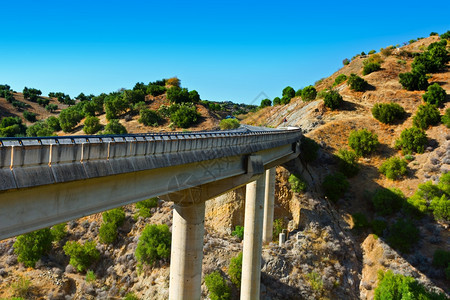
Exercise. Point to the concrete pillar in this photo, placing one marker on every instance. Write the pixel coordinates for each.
(269, 198)
(187, 251)
(253, 224)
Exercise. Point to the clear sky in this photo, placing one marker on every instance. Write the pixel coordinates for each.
(226, 50)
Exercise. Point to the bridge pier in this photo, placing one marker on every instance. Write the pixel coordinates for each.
(269, 199)
(253, 225)
(187, 251)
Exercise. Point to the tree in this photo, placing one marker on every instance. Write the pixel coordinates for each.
(40, 128)
(445, 119)
(81, 256)
(149, 117)
(11, 127)
(308, 149)
(289, 92)
(388, 113)
(235, 269)
(184, 115)
(332, 99)
(51, 107)
(154, 244)
(435, 95)
(363, 142)
(53, 123)
(91, 125)
(178, 95)
(346, 61)
(115, 105)
(194, 97)
(356, 83)
(31, 246)
(309, 93)
(426, 115)
(155, 90)
(174, 81)
(114, 127)
(265, 103)
(83, 97)
(29, 116)
(133, 96)
(276, 101)
(69, 118)
(335, 186)
(227, 124)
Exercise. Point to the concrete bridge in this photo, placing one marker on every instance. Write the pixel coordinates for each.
(48, 180)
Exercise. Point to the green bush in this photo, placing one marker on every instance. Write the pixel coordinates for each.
(309, 93)
(298, 93)
(58, 232)
(378, 226)
(39, 129)
(51, 107)
(356, 83)
(340, 79)
(227, 124)
(133, 96)
(332, 100)
(90, 276)
(235, 270)
(445, 119)
(397, 287)
(278, 226)
(69, 118)
(412, 140)
(394, 168)
(144, 207)
(194, 97)
(298, 185)
(130, 296)
(346, 61)
(363, 141)
(31, 246)
(433, 59)
(335, 186)
(308, 149)
(107, 233)
(115, 105)
(387, 201)
(403, 235)
(29, 116)
(435, 95)
(149, 117)
(178, 95)
(21, 288)
(155, 90)
(276, 101)
(288, 92)
(53, 123)
(359, 221)
(371, 67)
(441, 207)
(416, 206)
(238, 232)
(413, 81)
(114, 127)
(81, 256)
(185, 115)
(217, 286)
(388, 113)
(441, 258)
(265, 103)
(348, 162)
(91, 125)
(154, 244)
(115, 216)
(426, 115)
(444, 183)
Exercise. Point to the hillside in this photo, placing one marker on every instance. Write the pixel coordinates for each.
(330, 252)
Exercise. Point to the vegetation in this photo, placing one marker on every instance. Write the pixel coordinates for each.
(31, 246)
(435, 95)
(356, 83)
(445, 119)
(40, 128)
(348, 162)
(91, 125)
(309, 93)
(90, 276)
(298, 185)
(112, 220)
(397, 287)
(412, 140)
(371, 67)
(388, 113)
(414, 81)
(217, 286)
(81, 256)
(58, 232)
(265, 103)
(184, 115)
(426, 115)
(21, 288)
(69, 118)
(387, 201)
(288, 92)
(145, 206)
(441, 259)
(346, 61)
(308, 149)
(238, 232)
(359, 221)
(227, 124)
(12, 127)
(115, 105)
(29, 116)
(340, 79)
(403, 235)
(114, 127)
(130, 296)
(154, 244)
(332, 100)
(394, 168)
(363, 142)
(235, 270)
(315, 281)
(149, 117)
(335, 186)
(278, 226)
(178, 95)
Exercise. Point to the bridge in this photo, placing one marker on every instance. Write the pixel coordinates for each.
(48, 180)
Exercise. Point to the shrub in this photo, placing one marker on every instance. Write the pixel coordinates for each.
(114, 127)
(194, 97)
(144, 207)
(174, 81)
(289, 92)
(107, 233)
(90, 276)
(308, 149)
(149, 117)
(316, 281)
(235, 270)
(133, 96)
(387, 201)
(415, 206)
(298, 93)
(426, 115)
(58, 232)
(441, 207)
(335, 186)
(371, 67)
(227, 124)
(388, 113)
(394, 168)
(412, 140)
(441, 258)
(348, 162)
(31, 246)
(403, 235)
(346, 61)
(309, 93)
(265, 103)
(444, 183)
(396, 287)
(387, 51)
(435, 94)
(433, 59)
(378, 226)
(154, 244)
(445, 119)
(69, 118)
(21, 288)
(39, 129)
(285, 100)
(356, 83)
(359, 221)
(130, 296)
(363, 141)
(413, 81)
(276, 101)
(91, 125)
(29, 116)
(238, 232)
(185, 115)
(115, 105)
(298, 185)
(81, 256)
(178, 95)
(340, 79)
(332, 100)
(155, 90)
(115, 216)
(217, 286)
(446, 35)
(278, 226)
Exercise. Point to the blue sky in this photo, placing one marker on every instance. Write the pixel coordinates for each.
(226, 50)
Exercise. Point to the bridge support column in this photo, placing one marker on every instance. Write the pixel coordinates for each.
(253, 225)
(269, 199)
(187, 251)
